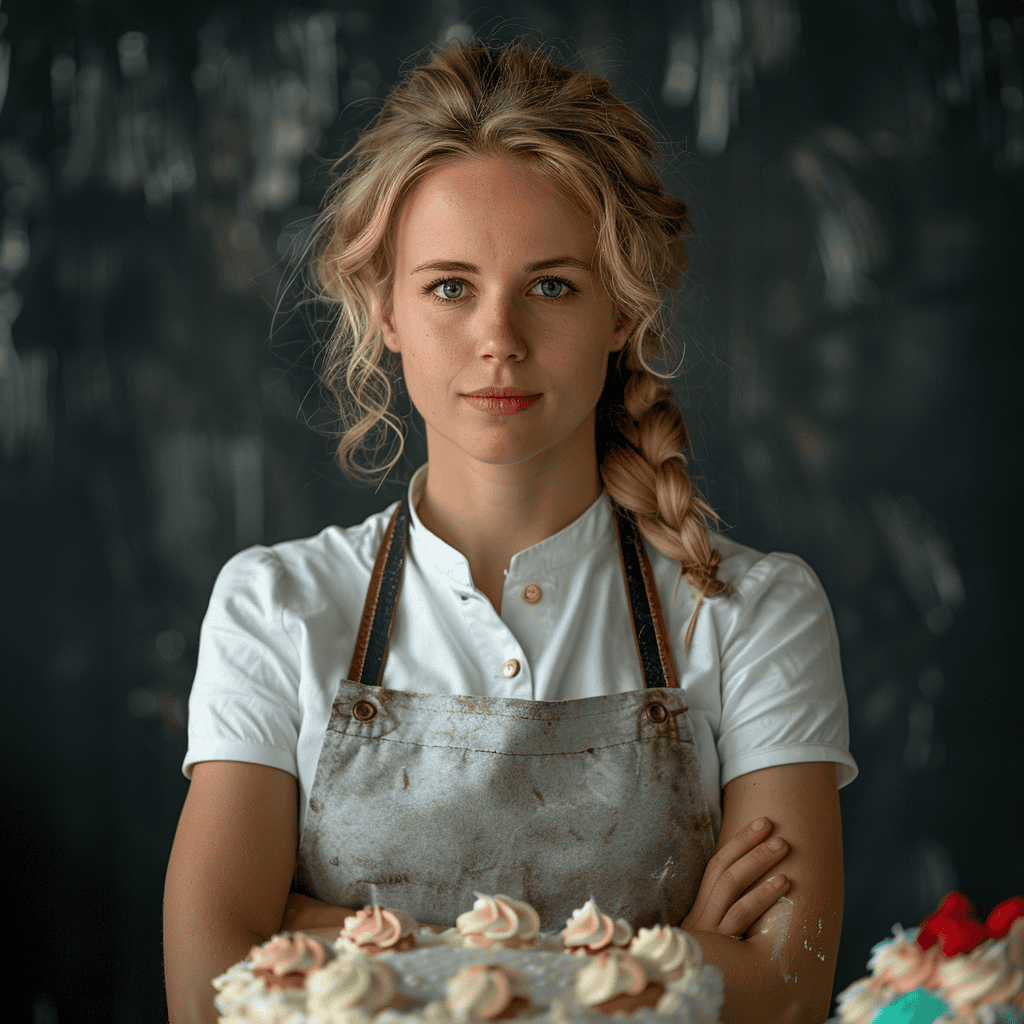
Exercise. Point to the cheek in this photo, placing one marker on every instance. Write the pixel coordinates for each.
(587, 360)
(427, 366)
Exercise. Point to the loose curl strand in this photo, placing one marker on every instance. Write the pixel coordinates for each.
(515, 100)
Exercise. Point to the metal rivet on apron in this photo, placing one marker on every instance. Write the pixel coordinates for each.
(363, 711)
(510, 668)
(657, 713)
(532, 593)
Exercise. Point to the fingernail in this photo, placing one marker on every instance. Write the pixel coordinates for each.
(759, 824)
(775, 843)
(778, 881)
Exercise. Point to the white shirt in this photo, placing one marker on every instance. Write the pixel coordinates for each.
(762, 679)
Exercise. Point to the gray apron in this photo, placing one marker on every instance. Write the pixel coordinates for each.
(432, 798)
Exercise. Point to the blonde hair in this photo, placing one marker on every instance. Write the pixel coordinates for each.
(515, 100)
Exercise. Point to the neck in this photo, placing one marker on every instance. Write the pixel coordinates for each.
(491, 512)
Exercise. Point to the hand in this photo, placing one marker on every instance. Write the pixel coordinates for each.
(736, 888)
(301, 913)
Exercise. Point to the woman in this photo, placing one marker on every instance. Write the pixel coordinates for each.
(498, 684)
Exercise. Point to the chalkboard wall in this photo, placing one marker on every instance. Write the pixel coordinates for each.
(852, 369)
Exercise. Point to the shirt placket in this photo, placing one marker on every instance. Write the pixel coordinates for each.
(503, 660)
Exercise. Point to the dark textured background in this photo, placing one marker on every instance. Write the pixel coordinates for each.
(852, 378)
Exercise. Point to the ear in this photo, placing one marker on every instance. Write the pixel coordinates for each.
(623, 329)
(385, 313)
(388, 332)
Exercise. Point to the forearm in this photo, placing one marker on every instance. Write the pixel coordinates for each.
(304, 913)
(761, 986)
(228, 878)
(193, 960)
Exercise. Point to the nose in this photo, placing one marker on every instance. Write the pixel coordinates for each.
(499, 329)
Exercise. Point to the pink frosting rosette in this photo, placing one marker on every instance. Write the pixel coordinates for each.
(487, 992)
(590, 930)
(377, 928)
(287, 960)
(614, 981)
(499, 922)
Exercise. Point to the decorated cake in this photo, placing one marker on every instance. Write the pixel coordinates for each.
(953, 969)
(495, 964)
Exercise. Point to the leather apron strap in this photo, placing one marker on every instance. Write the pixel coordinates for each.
(653, 647)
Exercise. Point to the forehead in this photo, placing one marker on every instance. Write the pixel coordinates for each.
(491, 206)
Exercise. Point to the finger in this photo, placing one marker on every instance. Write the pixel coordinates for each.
(737, 866)
(742, 915)
(741, 876)
(742, 842)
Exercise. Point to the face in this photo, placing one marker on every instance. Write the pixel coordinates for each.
(503, 327)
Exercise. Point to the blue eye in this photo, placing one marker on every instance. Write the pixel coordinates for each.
(554, 288)
(451, 290)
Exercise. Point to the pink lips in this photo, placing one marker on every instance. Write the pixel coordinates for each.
(501, 401)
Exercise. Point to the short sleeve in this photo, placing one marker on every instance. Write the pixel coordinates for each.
(783, 699)
(244, 704)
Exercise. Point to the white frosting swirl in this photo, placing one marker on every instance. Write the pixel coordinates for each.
(484, 990)
(499, 922)
(235, 987)
(671, 949)
(860, 1001)
(351, 981)
(591, 929)
(240, 993)
(901, 965)
(611, 973)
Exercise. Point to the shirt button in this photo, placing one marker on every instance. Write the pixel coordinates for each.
(532, 593)
(510, 668)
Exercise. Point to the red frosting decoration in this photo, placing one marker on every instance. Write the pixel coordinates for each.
(958, 929)
(955, 926)
(961, 936)
(1000, 921)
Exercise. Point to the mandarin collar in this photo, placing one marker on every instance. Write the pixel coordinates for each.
(591, 529)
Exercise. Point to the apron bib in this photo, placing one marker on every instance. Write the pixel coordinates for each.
(433, 798)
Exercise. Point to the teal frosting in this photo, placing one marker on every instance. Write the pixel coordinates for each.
(917, 1007)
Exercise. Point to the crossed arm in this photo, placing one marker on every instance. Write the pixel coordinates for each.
(783, 970)
(231, 867)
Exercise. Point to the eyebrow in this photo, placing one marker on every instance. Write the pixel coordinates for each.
(458, 267)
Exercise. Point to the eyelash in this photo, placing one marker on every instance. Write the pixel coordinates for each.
(570, 289)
